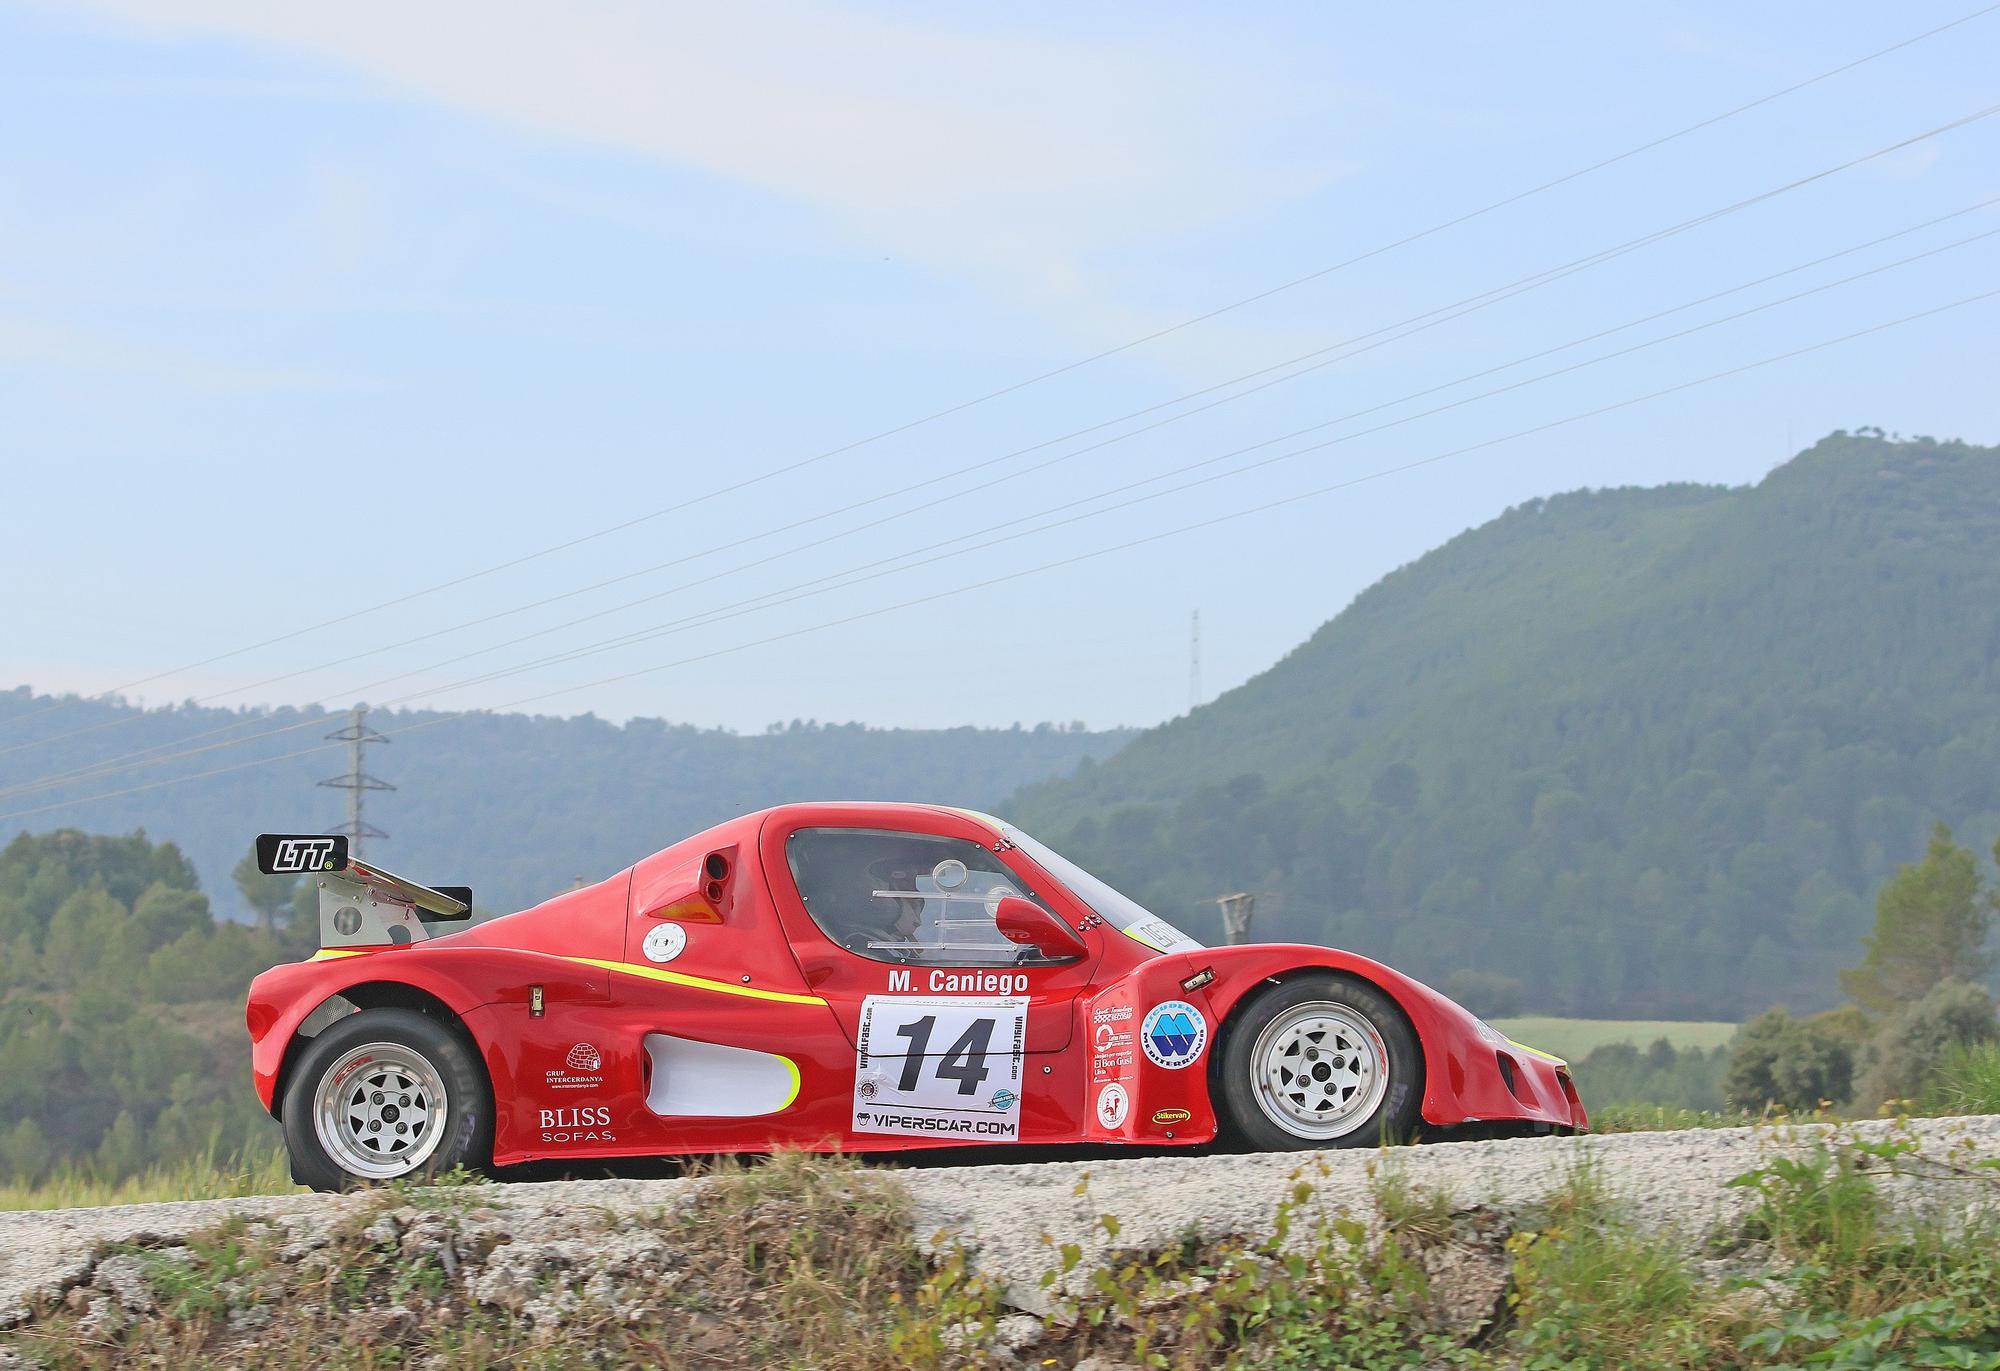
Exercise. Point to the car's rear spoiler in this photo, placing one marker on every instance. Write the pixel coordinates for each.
(360, 904)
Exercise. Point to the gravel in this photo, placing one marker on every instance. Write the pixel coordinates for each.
(1007, 1216)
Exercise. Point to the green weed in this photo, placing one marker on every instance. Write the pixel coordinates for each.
(1965, 1081)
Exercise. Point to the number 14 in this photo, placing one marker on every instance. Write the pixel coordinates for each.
(964, 1063)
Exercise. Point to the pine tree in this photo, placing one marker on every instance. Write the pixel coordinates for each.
(267, 896)
(1931, 919)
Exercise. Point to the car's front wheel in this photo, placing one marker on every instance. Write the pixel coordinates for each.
(1321, 1060)
(382, 1095)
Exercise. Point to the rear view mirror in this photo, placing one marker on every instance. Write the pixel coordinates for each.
(1027, 923)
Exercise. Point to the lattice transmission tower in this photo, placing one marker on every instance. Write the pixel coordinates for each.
(356, 781)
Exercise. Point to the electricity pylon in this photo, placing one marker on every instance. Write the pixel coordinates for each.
(356, 782)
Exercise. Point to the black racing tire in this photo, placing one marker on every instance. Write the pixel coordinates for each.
(390, 1065)
(1261, 1082)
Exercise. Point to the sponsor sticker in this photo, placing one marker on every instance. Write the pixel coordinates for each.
(582, 1069)
(1113, 1104)
(940, 1067)
(664, 943)
(1171, 1116)
(1110, 1043)
(1161, 936)
(1173, 1034)
(299, 855)
(585, 1123)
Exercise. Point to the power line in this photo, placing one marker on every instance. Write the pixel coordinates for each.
(1102, 355)
(1385, 334)
(1073, 560)
(880, 567)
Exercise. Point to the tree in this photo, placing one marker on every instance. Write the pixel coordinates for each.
(1898, 1059)
(1931, 920)
(25, 1151)
(267, 896)
(1791, 1063)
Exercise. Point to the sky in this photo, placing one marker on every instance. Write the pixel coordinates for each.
(773, 361)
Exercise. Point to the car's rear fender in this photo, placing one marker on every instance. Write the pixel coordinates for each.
(449, 982)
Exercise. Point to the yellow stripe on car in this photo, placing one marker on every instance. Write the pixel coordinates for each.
(651, 973)
(654, 973)
(1549, 1057)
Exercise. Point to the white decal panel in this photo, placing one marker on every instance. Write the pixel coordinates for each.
(1162, 936)
(940, 1068)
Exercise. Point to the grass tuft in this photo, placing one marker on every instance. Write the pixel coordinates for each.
(210, 1175)
(1966, 1080)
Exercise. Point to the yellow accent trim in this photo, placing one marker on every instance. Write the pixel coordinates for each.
(649, 972)
(655, 973)
(792, 1067)
(1549, 1057)
(973, 814)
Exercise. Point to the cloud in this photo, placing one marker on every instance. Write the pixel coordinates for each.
(37, 344)
(1029, 164)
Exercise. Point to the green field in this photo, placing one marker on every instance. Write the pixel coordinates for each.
(1573, 1039)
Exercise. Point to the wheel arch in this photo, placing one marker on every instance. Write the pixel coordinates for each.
(1251, 989)
(364, 995)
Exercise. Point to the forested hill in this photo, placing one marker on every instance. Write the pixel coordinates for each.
(1647, 751)
(515, 805)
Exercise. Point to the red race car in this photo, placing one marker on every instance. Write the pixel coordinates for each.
(839, 977)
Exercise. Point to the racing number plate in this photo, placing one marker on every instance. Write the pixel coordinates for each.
(940, 1068)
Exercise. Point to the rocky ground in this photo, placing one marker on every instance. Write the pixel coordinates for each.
(543, 1254)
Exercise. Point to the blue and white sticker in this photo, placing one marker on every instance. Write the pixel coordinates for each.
(1173, 1034)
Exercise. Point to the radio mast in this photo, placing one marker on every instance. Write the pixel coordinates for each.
(356, 782)
(1194, 663)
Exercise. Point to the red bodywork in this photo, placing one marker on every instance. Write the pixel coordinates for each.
(567, 982)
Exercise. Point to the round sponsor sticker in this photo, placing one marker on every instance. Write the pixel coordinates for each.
(1173, 1034)
(665, 943)
(1112, 1105)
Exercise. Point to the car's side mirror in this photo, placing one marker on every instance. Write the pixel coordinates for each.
(1027, 923)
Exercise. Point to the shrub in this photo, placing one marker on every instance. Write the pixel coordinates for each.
(1903, 1052)
(1620, 1074)
(1778, 1061)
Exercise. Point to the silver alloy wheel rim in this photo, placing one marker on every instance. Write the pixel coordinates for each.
(1319, 1070)
(380, 1111)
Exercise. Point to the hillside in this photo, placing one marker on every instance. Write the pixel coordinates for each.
(1648, 751)
(518, 806)
(121, 1009)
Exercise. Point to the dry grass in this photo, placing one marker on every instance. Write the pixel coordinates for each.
(207, 1177)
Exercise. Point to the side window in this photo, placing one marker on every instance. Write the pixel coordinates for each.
(907, 897)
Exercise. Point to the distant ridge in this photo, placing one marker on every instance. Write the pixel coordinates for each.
(516, 805)
(1650, 751)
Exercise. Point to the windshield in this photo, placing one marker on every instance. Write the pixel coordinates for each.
(1123, 913)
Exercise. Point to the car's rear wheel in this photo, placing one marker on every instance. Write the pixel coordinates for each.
(1321, 1060)
(386, 1094)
